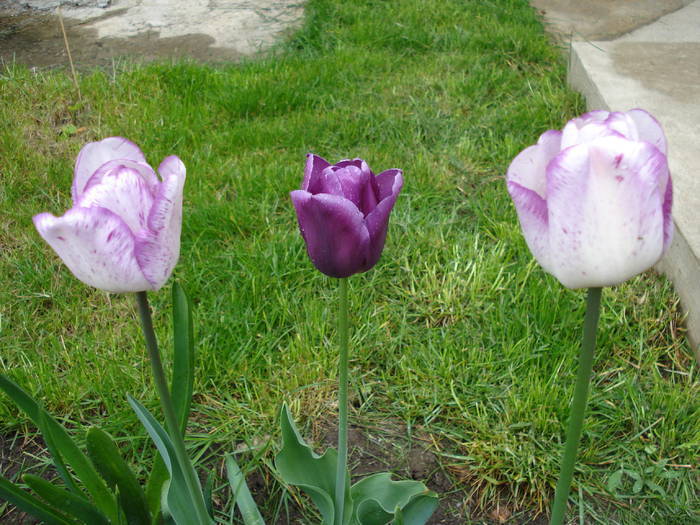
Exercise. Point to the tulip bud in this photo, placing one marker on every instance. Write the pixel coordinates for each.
(123, 232)
(343, 212)
(594, 200)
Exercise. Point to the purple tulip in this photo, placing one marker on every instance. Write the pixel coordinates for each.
(123, 232)
(594, 200)
(343, 212)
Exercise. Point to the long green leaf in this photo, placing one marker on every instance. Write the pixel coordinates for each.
(181, 504)
(68, 502)
(108, 460)
(30, 407)
(62, 446)
(154, 486)
(31, 505)
(183, 355)
(103, 498)
(241, 494)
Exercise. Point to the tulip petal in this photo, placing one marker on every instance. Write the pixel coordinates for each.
(649, 129)
(120, 188)
(596, 114)
(532, 214)
(390, 183)
(354, 183)
(369, 196)
(379, 188)
(97, 246)
(605, 202)
(158, 247)
(386, 183)
(622, 124)
(167, 208)
(528, 168)
(357, 163)
(337, 239)
(149, 176)
(312, 173)
(616, 124)
(352, 175)
(329, 182)
(95, 154)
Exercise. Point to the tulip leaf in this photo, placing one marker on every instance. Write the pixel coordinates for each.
(107, 459)
(183, 355)
(180, 503)
(298, 465)
(371, 513)
(81, 464)
(417, 511)
(378, 500)
(154, 486)
(31, 505)
(241, 494)
(30, 407)
(62, 446)
(68, 502)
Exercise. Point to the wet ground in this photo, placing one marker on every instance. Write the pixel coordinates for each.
(100, 32)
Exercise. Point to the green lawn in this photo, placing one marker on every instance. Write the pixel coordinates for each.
(456, 333)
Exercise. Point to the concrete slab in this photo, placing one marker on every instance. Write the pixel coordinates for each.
(601, 19)
(657, 67)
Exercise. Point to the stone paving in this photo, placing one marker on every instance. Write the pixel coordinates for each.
(100, 31)
(602, 19)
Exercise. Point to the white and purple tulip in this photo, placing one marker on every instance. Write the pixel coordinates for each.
(343, 213)
(123, 232)
(594, 200)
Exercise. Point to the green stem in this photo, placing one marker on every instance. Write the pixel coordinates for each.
(166, 404)
(578, 407)
(341, 471)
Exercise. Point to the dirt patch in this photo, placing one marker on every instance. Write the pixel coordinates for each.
(388, 447)
(21, 454)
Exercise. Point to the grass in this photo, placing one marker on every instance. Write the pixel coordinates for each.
(457, 332)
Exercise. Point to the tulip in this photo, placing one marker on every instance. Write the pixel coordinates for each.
(123, 232)
(594, 200)
(343, 212)
(594, 203)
